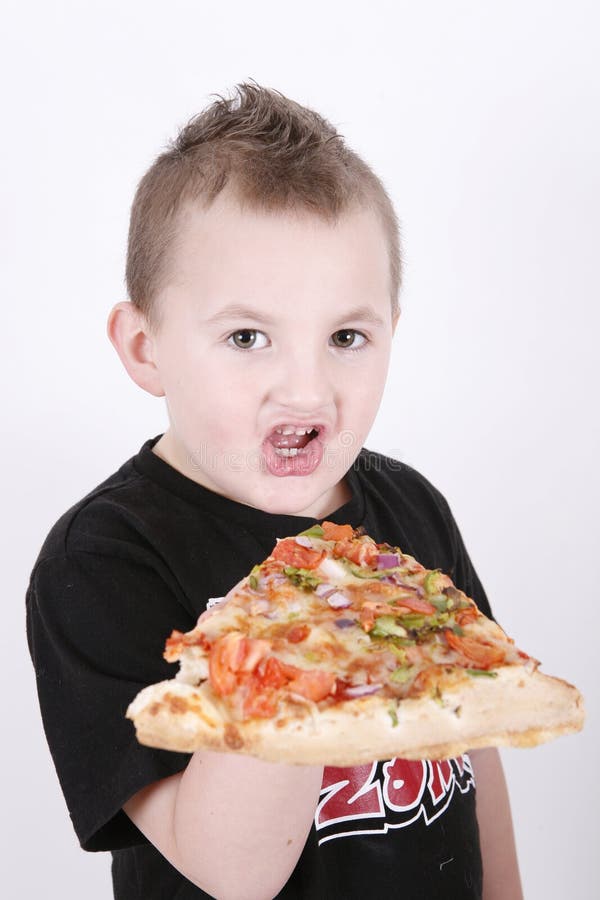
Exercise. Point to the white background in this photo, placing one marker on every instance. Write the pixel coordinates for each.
(482, 120)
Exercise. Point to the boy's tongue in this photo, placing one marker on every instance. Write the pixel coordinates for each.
(289, 440)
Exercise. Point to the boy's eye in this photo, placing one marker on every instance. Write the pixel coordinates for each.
(252, 339)
(245, 338)
(347, 338)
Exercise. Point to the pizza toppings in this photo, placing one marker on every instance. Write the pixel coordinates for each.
(338, 650)
(289, 551)
(402, 627)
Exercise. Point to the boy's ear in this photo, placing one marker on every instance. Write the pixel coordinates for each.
(128, 333)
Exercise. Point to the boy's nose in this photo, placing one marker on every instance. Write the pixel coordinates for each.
(303, 384)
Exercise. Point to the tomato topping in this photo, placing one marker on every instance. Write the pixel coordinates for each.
(270, 673)
(232, 654)
(221, 671)
(367, 619)
(427, 679)
(314, 684)
(298, 633)
(363, 553)
(333, 532)
(464, 616)
(484, 656)
(293, 554)
(415, 604)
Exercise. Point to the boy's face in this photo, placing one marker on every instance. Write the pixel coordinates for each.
(308, 345)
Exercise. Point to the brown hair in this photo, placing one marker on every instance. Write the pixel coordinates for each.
(275, 154)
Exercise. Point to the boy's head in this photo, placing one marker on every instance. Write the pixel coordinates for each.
(273, 155)
(263, 269)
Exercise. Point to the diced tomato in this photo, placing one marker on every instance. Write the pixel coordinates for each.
(314, 684)
(333, 532)
(260, 701)
(483, 656)
(367, 619)
(253, 649)
(232, 654)
(260, 705)
(361, 552)
(222, 663)
(298, 633)
(293, 554)
(270, 673)
(464, 616)
(415, 604)
(380, 608)
(427, 679)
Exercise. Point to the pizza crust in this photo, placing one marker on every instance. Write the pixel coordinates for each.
(518, 708)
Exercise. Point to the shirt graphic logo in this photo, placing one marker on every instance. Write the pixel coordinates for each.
(375, 797)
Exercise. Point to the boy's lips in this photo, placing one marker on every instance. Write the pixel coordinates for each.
(291, 453)
(304, 462)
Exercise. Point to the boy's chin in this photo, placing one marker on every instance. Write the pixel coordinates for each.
(312, 504)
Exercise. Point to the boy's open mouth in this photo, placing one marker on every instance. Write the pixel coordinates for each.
(289, 440)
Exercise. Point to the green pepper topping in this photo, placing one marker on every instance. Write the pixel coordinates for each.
(393, 715)
(431, 582)
(399, 652)
(413, 620)
(386, 626)
(485, 672)
(253, 581)
(305, 579)
(436, 695)
(402, 675)
(313, 531)
(441, 603)
(365, 571)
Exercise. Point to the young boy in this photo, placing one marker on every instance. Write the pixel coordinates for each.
(263, 270)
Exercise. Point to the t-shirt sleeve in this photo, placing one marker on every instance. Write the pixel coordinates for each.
(464, 575)
(96, 628)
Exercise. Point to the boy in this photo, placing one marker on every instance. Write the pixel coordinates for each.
(263, 270)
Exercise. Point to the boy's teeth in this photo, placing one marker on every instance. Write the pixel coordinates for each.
(290, 429)
(286, 451)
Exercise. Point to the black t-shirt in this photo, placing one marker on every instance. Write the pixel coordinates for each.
(139, 556)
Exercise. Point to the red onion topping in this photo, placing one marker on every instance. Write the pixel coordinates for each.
(412, 587)
(345, 623)
(387, 560)
(323, 589)
(337, 600)
(361, 690)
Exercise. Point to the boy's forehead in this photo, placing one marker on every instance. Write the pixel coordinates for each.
(229, 240)
(229, 213)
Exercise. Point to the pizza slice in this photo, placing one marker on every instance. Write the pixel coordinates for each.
(337, 650)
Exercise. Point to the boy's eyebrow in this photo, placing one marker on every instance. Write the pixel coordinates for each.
(237, 311)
